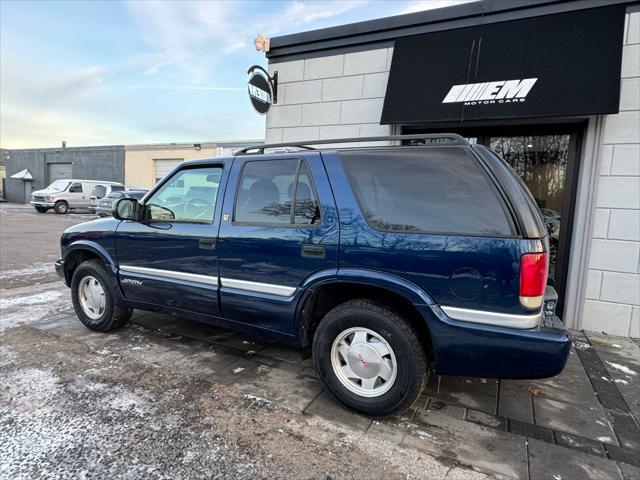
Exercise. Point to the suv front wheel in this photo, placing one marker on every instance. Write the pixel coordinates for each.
(369, 358)
(93, 300)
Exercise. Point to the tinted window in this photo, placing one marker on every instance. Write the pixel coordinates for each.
(99, 191)
(117, 188)
(75, 188)
(137, 195)
(188, 196)
(435, 190)
(267, 189)
(307, 206)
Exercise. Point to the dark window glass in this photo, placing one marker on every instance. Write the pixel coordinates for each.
(99, 191)
(307, 205)
(264, 195)
(75, 188)
(434, 190)
(117, 188)
(137, 195)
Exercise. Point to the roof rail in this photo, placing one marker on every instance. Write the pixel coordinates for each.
(420, 139)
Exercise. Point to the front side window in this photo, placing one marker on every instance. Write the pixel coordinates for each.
(75, 188)
(188, 196)
(269, 189)
(433, 190)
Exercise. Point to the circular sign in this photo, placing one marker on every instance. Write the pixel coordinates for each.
(260, 92)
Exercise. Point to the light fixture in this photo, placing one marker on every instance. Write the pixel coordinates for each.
(261, 43)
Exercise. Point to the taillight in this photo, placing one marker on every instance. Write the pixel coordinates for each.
(533, 278)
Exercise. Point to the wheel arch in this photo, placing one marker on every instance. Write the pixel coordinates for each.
(326, 291)
(81, 251)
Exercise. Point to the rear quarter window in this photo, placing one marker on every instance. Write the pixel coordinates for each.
(441, 190)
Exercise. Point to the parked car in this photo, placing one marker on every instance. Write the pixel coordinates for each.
(105, 205)
(386, 260)
(101, 191)
(66, 194)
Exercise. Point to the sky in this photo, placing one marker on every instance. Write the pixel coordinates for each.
(129, 72)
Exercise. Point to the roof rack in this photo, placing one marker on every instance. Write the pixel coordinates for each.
(418, 139)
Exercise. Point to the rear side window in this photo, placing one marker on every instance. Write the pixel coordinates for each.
(117, 188)
(99, 191)
(430, 190)
(269, 189)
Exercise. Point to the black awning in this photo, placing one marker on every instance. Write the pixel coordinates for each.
(556, 65)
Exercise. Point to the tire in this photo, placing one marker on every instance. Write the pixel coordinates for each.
(92, 277)
(389, 332)
(41, 209)
(61, 207)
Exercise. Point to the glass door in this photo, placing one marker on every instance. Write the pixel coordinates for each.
(541, 162)
(545, 157)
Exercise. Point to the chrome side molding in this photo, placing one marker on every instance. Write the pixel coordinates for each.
(171, 274)
(258, 287)
(493, 318)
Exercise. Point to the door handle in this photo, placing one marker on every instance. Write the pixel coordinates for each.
(312, 251)
(209, 243)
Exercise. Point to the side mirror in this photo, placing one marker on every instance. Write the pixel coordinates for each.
(126, 209)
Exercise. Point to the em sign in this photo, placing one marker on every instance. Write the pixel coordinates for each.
(262, 89)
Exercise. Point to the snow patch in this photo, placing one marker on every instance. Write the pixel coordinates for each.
(38, 298)
(34, 269)
(622, 368)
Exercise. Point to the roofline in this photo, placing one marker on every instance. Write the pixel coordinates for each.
(183, 145)
(62, 149)
(447, 18)
(142, 146)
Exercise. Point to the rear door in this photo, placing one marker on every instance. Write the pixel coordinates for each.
(279, 227)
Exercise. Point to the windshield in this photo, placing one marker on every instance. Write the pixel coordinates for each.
(60, 185)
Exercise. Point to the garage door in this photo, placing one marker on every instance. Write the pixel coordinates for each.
(56, 171)
(164, 166)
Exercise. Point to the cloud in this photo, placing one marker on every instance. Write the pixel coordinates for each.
(187, 87)
(299, 13)
(421, 5)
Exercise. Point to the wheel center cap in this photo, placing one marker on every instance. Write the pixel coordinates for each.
(364, 360)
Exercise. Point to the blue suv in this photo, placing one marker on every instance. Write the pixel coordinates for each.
(386, 259)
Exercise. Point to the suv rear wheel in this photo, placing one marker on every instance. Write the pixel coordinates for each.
(369, 358)
(61, 207)
(93, 300)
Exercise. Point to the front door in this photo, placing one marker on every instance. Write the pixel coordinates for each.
(170, 258)
(279, 227)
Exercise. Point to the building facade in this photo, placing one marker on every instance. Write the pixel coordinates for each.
(146, 164)
(553, 86)
(49, 164)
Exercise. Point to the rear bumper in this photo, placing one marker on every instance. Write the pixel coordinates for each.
(480, 350)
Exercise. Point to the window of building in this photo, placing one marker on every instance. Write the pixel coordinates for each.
(431, 190)
(267, 190)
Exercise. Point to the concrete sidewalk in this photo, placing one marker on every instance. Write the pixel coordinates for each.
(580, 424)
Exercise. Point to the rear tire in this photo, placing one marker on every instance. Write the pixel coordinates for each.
(92, 293)
(41, 209)
(61, 207)
(369, 358)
